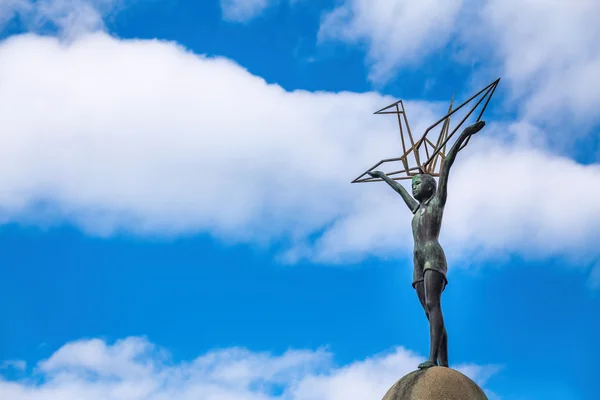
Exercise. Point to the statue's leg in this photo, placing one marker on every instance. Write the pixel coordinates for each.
(420, 288)
(443, 351)
(434, 285)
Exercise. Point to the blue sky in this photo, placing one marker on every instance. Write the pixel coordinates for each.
(178, 222)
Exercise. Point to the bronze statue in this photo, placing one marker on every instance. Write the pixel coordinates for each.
(430, 267)
(421, 161)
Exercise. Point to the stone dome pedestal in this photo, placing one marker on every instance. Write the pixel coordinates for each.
(435, 383)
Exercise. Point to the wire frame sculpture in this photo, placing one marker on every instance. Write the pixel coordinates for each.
(433, 151)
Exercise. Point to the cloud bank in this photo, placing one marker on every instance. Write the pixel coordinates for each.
(135, 369)
(548, 53)
(145, 138)
(397, 33)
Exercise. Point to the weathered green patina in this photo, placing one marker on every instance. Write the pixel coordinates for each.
(430, 266)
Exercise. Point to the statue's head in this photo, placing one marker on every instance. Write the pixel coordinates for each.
(423, 186)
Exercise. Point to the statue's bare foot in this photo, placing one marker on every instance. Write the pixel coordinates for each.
(428, 364)
(443, 364)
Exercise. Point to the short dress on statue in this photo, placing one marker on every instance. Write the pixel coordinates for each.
(428, 253)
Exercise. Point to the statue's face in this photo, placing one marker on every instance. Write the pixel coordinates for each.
(422, 187)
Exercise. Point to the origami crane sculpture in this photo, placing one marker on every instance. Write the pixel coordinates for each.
(434, 151)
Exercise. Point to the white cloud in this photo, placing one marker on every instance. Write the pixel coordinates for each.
(145, 138)
(13, 364)
(548, 53)
(397, 33)
(142, 136)
(135, 369)
(71, 17)
(518, 198)
(244, 10)
(8, 9)
(501, 198)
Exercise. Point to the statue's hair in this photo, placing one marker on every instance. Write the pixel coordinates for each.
(428, 180)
